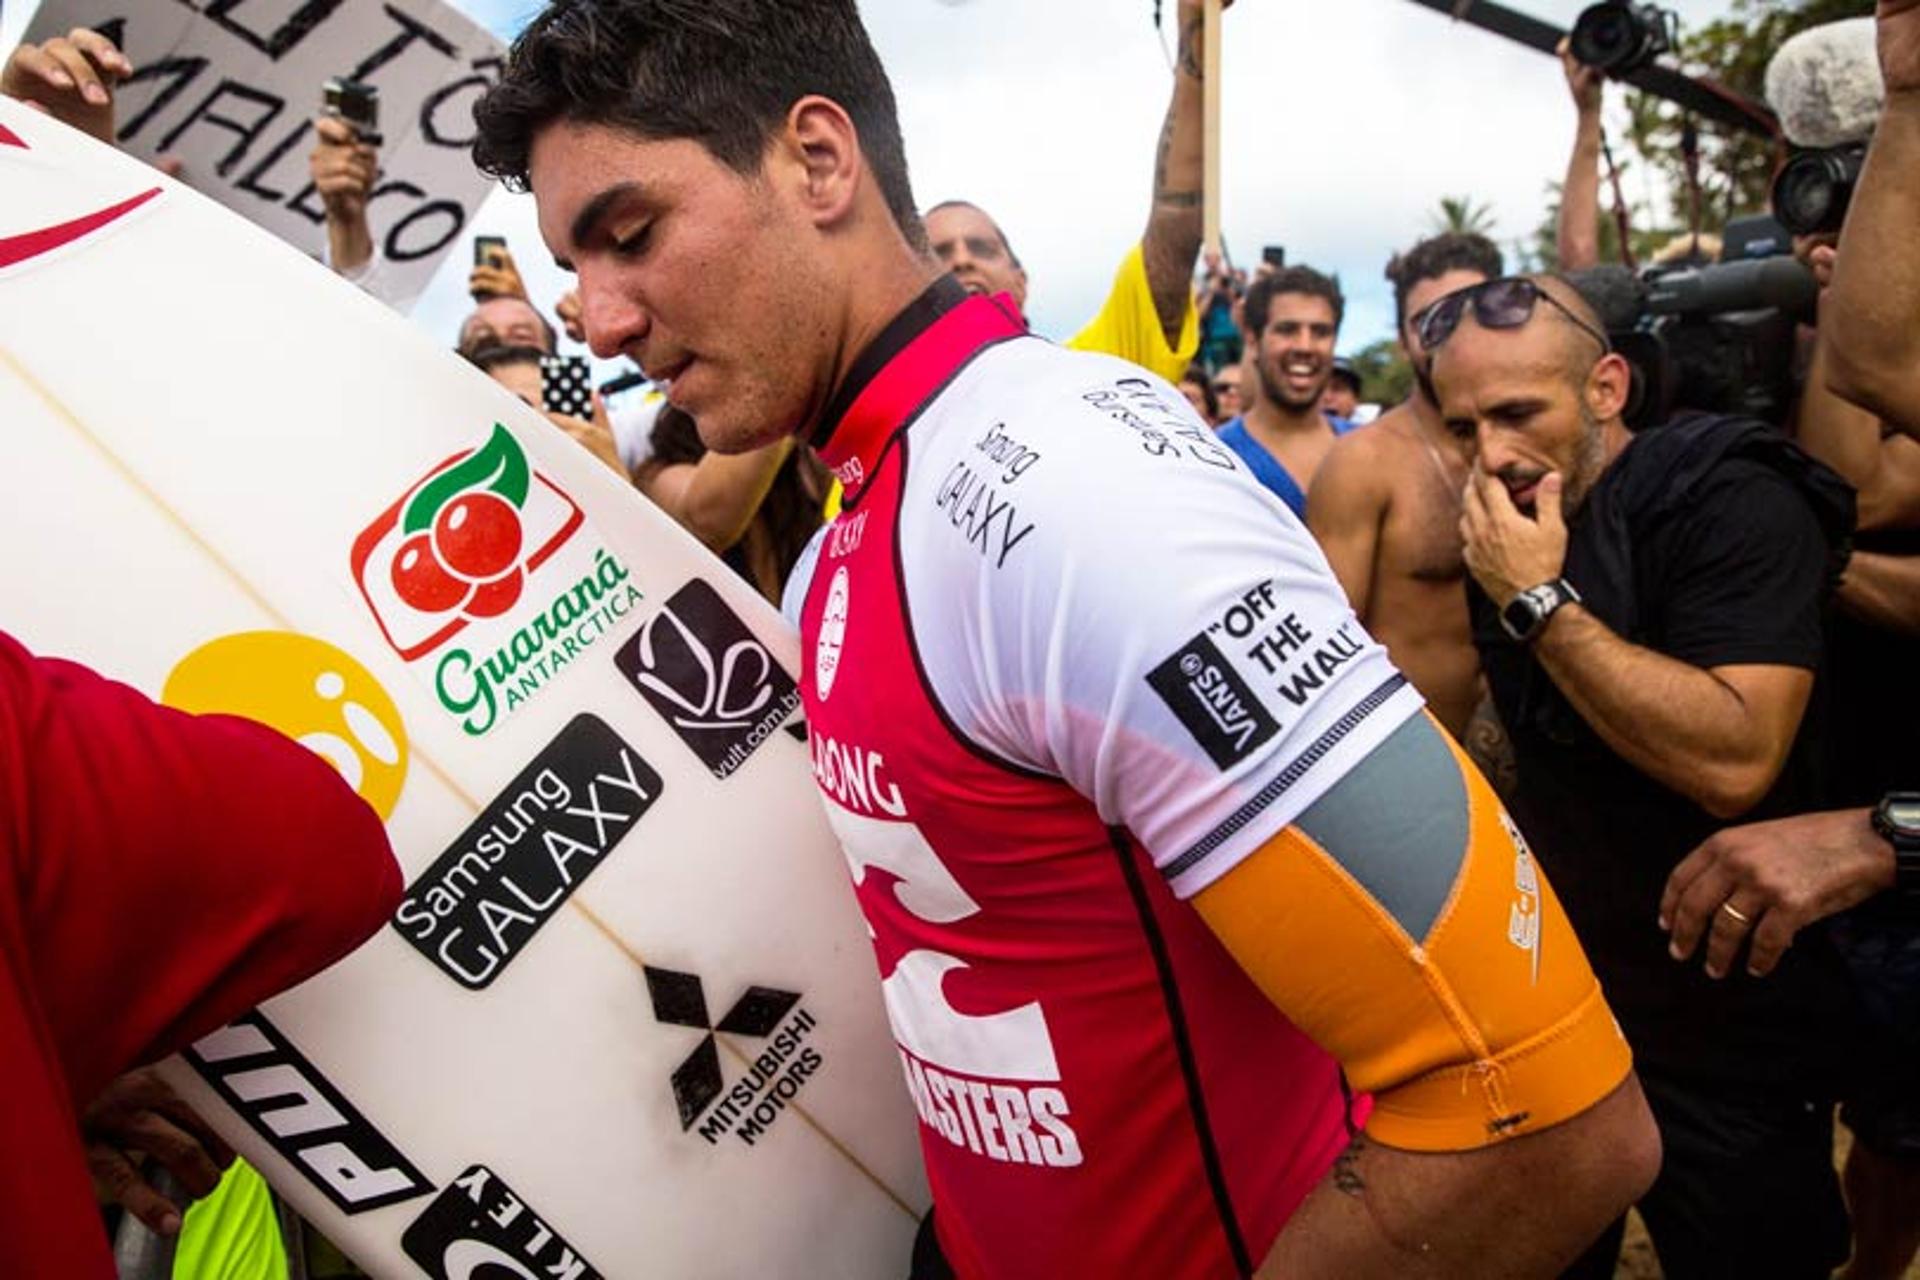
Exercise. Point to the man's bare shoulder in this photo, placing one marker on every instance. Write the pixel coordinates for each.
(1364, 459)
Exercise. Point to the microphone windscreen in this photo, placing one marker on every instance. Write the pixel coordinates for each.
(1615, 294)
(1825, 84)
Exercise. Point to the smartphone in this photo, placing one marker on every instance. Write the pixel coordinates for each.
(356, 103)
(486, 247)
(1274, 255)
(566, 385)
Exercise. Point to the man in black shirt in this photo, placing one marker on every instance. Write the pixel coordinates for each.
(1648, 612)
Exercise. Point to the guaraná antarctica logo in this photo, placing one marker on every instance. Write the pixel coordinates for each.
(478, 568)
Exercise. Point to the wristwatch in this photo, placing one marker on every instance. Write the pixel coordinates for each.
(1527, 613)
(1897, 820)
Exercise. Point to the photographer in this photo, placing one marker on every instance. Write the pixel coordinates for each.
(1648, 612)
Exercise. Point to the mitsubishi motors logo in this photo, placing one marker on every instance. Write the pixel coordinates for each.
(56, 220)
(774, 1077)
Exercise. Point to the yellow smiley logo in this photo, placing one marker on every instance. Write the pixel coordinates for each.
(314, 693)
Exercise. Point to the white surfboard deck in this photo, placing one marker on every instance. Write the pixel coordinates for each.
(214, 438)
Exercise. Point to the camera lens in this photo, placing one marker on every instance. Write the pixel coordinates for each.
(1619, 38)
(1811, 195)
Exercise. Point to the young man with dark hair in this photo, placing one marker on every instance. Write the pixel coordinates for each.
(1386, 503)
(1125, 930)
(1649, 610)
(1292, 321)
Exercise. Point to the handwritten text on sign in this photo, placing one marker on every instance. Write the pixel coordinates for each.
(230, 87)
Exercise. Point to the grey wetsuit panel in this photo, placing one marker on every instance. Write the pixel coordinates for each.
(1398, 823)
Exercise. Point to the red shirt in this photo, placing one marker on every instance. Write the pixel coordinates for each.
(163, 873)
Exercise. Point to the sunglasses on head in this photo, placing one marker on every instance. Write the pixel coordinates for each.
(1507, 303)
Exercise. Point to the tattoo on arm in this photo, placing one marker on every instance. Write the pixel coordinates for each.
(1191, 62)
(1346, 1168)
(1489, 747)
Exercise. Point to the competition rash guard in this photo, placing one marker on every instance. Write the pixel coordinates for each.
(1066, 666)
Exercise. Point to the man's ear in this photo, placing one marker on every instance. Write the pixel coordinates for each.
(1610, 387)
(823, 147)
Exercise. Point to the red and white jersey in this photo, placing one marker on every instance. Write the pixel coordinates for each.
(1034, 744)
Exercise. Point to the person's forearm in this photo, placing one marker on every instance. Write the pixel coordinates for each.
(1579, 225)
(1177, 224)
(1524, 1208)
(724, 493)
(1892, 499)
(1871, 313)
(1883, 590)
(1674, 722)
(349, 241)
(1833, 429)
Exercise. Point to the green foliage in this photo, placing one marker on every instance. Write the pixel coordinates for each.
(1385, 376)
(1462, 214)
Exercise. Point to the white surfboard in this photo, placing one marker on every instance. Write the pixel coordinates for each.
(626, 1021)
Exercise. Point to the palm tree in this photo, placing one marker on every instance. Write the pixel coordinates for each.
(1463, 214)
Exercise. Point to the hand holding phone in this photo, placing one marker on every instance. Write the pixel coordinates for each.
(494, 274)
(356, 103)
(566, 386)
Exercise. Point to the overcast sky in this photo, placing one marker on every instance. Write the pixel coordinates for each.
(1345, 122)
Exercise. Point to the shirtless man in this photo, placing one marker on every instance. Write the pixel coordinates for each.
(1386, 502)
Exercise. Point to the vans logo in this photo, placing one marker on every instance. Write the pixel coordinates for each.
(478, 1229)
(287, 1101)
(1217, 707)
(697, 664)
(483, 900)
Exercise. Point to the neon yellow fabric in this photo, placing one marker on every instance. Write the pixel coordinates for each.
(1128, 326)
(233, 1233)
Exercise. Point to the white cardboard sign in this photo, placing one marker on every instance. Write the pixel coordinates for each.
(231, 87)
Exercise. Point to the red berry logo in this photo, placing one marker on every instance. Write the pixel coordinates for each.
(478, 536)
(422, 581)
(464, 536)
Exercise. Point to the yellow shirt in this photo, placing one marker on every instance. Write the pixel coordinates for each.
(1128, 326)
(232, 1234)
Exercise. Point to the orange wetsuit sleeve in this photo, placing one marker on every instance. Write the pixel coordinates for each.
(1404, 925)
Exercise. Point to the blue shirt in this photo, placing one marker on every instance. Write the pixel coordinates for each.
(1266, 467)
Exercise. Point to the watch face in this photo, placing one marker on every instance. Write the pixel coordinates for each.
(1903, 813)
(1520, 616)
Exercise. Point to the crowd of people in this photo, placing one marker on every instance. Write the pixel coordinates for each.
(1510, 734)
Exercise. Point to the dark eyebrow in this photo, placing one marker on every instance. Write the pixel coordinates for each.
(588, 219)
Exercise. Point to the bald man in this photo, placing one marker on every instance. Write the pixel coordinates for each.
(1149, 315)
(1648, 613)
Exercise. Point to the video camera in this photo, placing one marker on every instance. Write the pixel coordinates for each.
(1717, 338)
(1619, 37)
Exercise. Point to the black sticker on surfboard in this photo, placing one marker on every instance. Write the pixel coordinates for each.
(303, 1117)
(479, 1227)
(774, 1028)
(697, 664)
(484, 899)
